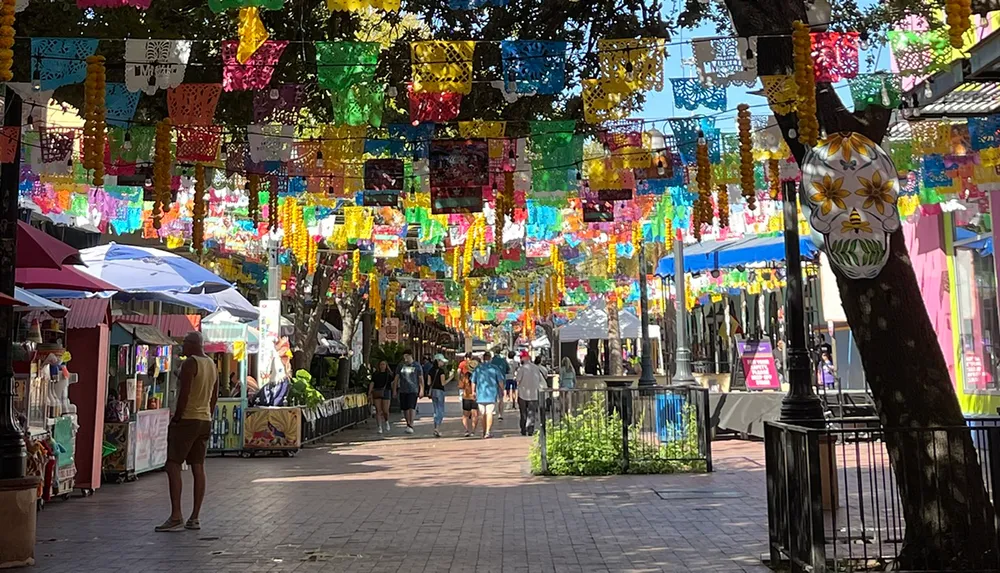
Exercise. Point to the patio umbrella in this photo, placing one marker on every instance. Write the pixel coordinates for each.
(31, 301)
(36, 249)
(66, 278)
(144, 269)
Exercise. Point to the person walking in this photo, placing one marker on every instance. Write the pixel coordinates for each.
(380, 393)
(488, 381)
(190, 429)
(437, 377)
(510, 387)
(501, 364)
(470, 408)
(407, 385)
(567, 374)
(531, 380)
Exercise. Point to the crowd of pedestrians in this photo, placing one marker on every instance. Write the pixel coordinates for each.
(485, 383)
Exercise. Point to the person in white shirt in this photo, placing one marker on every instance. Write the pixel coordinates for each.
(530, 381)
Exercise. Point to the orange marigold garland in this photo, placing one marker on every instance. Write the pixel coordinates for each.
(7, 11)
(774, 178)
(612, 256)
(356, 267)
(253, 205)
(161, 171)
(958, 14)
(805, 83)
(198, 210)
(722, 200)
(746, 156)
(94, 113)
(703, 205)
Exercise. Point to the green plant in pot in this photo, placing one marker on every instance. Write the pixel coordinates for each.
(302, 391)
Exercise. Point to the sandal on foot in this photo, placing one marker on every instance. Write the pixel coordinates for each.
(170, 525)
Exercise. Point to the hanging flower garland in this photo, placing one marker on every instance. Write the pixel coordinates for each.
(356, 267)
(7, 11)
(198, 210)
(161, 171)
(774, 178)
(958, 14)
(746, 156)
(375, 299)
(668, 233)
(312, 257)
(703, 205)
(456, 263)
(94, 113)
(805, 82)
(722, 201)
(612, 256)
(253, 205)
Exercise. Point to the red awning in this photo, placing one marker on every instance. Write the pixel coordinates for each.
(7, 300)
(86, 312)
(66, 278)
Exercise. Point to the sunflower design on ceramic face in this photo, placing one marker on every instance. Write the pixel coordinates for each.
(849, 145)
(876, 191)
(829, 194)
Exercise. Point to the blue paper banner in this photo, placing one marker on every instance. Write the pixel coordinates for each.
(57, 62)
(534, 66)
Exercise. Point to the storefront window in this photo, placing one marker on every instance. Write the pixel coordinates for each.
(977, 307)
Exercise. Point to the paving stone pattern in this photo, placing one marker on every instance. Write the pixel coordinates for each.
(414, 503)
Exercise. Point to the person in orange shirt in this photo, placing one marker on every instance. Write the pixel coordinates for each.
(470, 409)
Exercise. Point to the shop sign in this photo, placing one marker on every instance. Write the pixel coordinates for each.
(390, 330)
(758, 365)
(975, 374)
(270, 331)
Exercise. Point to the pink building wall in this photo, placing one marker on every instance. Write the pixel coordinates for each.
(924, 239)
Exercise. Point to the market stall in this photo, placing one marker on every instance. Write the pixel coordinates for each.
(231, 344)
(139, 390)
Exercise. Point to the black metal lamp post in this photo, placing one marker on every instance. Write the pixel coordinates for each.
(13, 457)
(801, 405)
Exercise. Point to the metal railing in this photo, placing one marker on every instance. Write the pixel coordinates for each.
(623, 430)
(833, 494)
(334, 415)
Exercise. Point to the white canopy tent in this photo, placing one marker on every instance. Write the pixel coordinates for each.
(592, 322)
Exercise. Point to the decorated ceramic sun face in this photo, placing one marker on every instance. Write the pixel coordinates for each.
(851, 185)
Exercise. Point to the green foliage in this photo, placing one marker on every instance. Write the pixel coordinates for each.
(302, 391)
(360, 378)
(391, 352)
(590, 443)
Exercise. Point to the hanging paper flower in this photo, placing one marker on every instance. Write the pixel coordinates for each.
(94, 113)
(7, 10)
(198, 210)
(722, 201)
(746, 156)
(161, 171)
(805, 82)
(958, 14)
(774, 178)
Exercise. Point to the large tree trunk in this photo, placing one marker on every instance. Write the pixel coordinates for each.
(614, 339)
(350, 306)
(948, 514)
(308, 317)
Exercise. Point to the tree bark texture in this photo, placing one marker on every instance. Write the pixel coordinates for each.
(948, 515)
(614, 339)
(350, 306)
(308, 313)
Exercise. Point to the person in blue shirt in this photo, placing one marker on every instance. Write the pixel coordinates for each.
(488, 380)
(504, 368)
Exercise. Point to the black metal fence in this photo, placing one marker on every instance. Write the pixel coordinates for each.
(334, 415)
(833, 501)
(623, 430)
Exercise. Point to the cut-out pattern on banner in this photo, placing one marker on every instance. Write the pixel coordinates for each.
(723, 62)
(270, 142)
(458, 175)
(781, 92)
(198, 143)
(120, 104)
(984, 132)
(557, 155)
(251, 32)
(343, 143)
(434, 107)
(417, 137)
(155, 64)
(690, 94)
(442, 66)
(875, 89)
(536, 67)
(359, 105)
(629, 65)
(193, 104)
(835, 55)
(57, 62)
(481, 129)
(599, 105)
(279, 105)
(340, 65)
(256, 73)
(121, 159)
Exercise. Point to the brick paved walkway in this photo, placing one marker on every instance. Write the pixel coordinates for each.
(363, 503)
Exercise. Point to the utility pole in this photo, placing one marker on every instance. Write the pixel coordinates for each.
(682, 356)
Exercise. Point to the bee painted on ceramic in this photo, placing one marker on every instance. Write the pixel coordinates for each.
(854, 223)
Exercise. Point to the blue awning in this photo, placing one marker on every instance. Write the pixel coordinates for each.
(713, 255)
(966, 239)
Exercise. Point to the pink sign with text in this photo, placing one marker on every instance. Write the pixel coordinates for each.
(758, 365)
